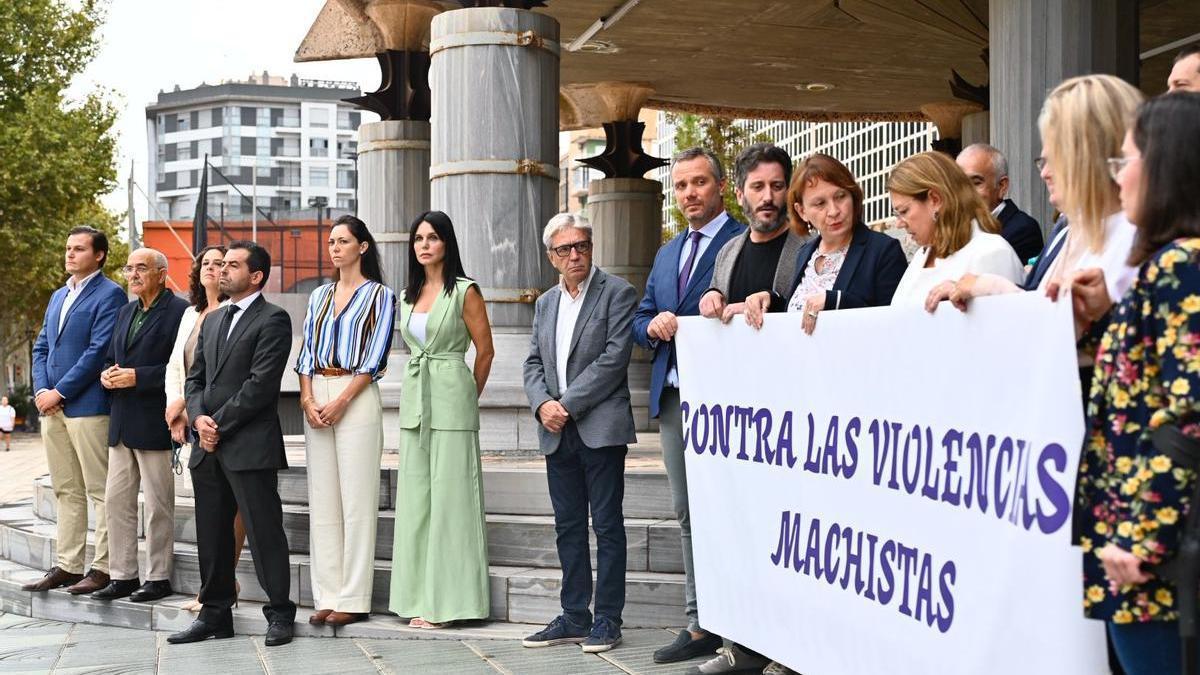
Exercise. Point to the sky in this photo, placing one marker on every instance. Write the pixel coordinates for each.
(152, 45)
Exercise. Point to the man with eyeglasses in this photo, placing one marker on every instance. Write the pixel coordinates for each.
(139, 441)
(576, 378)
(67, 359)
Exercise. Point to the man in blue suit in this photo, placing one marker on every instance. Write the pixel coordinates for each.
(67, 359)
(682, 272)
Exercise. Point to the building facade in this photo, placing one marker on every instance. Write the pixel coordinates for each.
(284, 143)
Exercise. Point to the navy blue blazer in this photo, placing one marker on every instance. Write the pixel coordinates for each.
(662, 295)
(71, 360)
(1047, 256)
(137, 412)
(869, 275)
(1021, 231)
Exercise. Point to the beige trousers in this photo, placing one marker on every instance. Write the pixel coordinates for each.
(127, 470)
(343, 498)
(77, 454)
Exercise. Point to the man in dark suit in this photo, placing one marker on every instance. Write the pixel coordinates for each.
(577, 381)
(232, 393)
(67, 359)
(988, 170)
(682, 271)
(139, 442)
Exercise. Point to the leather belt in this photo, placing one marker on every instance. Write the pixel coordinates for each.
(331, 372)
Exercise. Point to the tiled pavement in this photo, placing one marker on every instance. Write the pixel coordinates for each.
(20, 466)
(39, 646)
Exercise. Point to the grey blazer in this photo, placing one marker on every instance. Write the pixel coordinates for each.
(597, 395)
(784, 272)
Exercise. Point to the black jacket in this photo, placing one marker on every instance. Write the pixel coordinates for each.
(870, 273)
(137, 418)
(1021, 231)
(240, 388)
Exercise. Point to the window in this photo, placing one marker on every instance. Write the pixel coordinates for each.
(248, 115)
(343, 119)
(183, 179)
(318, 147)
(216, 116)
(345, 178)
(290, 147)
(182, 122)
(318, 117)
(347, 148)
(263, 171)
(346, 203)
(289, 175)
(318, 177)
(183, 151)
(291, 117)
(249, 146)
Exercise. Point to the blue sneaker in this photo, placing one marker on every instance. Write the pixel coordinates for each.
(560, 631)
(605, 635)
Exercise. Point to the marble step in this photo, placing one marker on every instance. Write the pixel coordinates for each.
(517, 488)
(518, 540)
(168, 615)
(520, 594)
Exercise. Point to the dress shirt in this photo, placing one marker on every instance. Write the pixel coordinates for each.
(242, 306)
(708, 231)
(73, 292)
(568, 314)
(999, 207)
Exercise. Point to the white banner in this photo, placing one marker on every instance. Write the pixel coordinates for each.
(893, 493)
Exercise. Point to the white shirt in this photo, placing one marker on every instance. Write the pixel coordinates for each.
(8, 415)
(73, 292)
(999, 207)
(985, 253)
(568, 314)
(707, 233)
(242, 306)
(1118, 242)
(418, 325)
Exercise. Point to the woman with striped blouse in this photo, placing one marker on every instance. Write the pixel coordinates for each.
(347, 334)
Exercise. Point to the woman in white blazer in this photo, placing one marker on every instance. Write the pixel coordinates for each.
(205, 298)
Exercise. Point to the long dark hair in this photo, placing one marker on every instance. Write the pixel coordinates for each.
(369, 262)
(199, 296)
(1166, 132)
(452, 267)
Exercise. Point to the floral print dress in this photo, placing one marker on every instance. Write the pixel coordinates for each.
(1147, 374)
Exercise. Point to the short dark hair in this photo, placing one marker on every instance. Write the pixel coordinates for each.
(761, 153)
(99, 239)
(258, 260)
(452, 267)
(714, 162)
(1190, 50)
(1165, 133)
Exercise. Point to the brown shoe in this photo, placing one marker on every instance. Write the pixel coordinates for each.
(55, 578)
(94, 581)
(318, 617)
(345, 618)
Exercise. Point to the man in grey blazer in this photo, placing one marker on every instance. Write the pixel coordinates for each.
(577, 383)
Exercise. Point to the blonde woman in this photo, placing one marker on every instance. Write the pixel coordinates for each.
(1082, 124)
(934, 200)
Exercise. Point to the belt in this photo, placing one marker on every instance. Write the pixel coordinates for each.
(331, 372)
(420, 361)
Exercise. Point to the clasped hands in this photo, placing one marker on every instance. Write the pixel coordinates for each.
(49, 402)
(553, 416)
(323, 416)
(116, 377)
(206, 429)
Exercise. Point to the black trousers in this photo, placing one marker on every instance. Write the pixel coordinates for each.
(579, 477)
(220, 495)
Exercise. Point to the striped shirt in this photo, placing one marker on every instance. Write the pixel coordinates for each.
(357, 339)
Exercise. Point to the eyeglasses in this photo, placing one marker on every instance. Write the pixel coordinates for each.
(128, 270)
(1117, 164)
(1040, 163)
(584, 248)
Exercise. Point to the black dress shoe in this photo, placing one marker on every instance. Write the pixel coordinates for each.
(117, 588)
(279, 633)
(152, 590)
(200, 631)
(685, 647)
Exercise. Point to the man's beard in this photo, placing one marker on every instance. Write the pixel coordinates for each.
(764, 227)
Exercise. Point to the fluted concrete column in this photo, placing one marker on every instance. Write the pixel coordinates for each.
(494, 170)
(393, 175)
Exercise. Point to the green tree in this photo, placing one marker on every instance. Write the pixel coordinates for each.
(57, 157)
(725, 139)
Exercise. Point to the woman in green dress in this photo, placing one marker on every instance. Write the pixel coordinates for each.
(439, 558)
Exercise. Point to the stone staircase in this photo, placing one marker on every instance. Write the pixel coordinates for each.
(523, 561)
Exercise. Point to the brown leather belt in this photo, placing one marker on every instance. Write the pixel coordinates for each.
(331, 372)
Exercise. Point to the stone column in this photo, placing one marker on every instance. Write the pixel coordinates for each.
(393, 174)
(494, 154)
(1034, 45)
